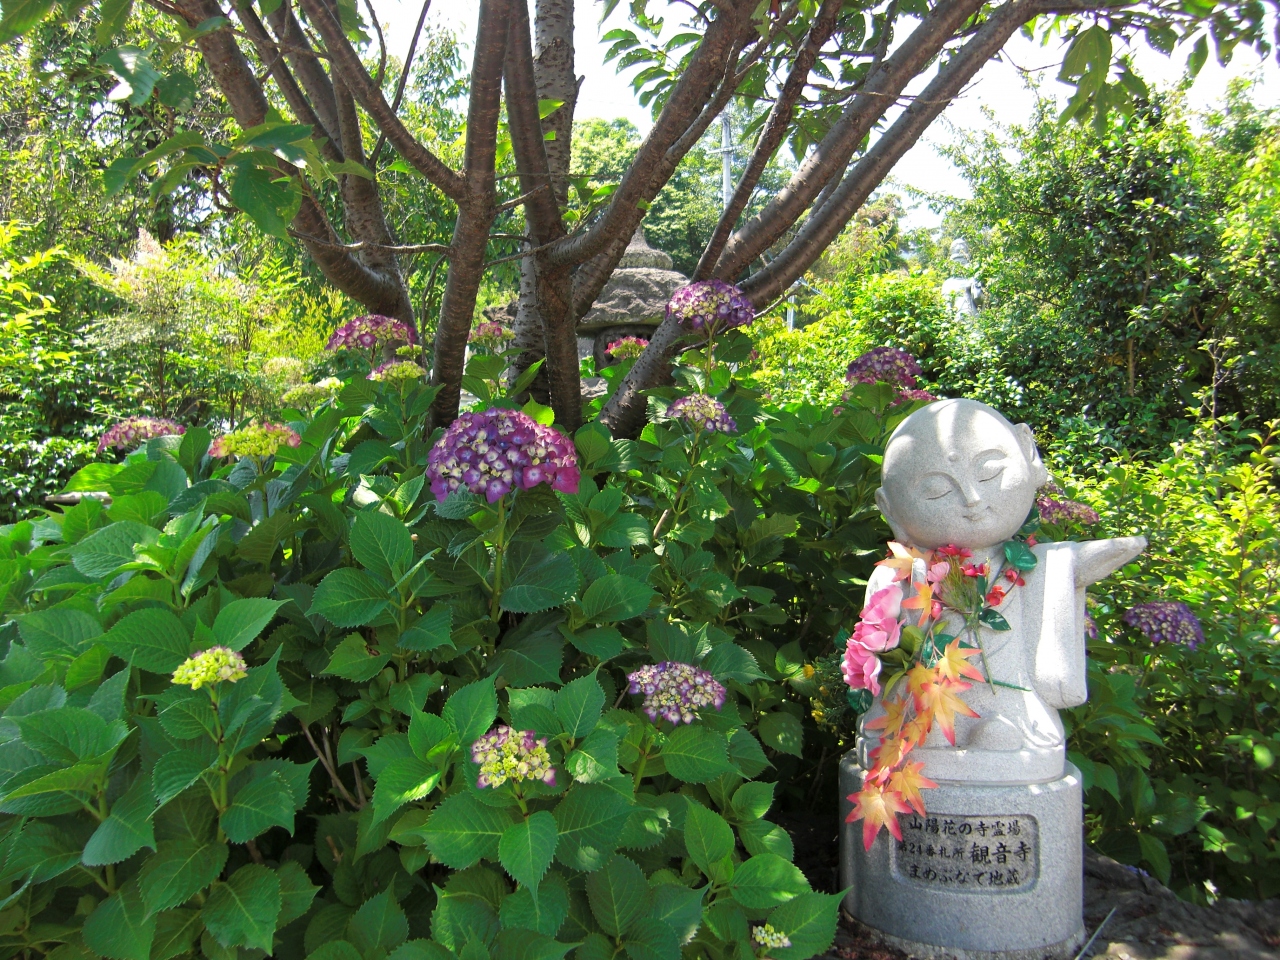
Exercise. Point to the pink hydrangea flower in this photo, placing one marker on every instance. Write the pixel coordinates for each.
(495, 452)
(709, 306)
(370, 331)
(676, 691)
(132, 433)
(490, 334)
(628, 348)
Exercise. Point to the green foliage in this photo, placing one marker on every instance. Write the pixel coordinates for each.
(1178, 746)
(1149, 243)
(327, 801)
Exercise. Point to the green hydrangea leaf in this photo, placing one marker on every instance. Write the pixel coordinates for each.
(767, 880)
(618, 894)
(179, 870)
(244, 910)
(526, 848)
(695, 754)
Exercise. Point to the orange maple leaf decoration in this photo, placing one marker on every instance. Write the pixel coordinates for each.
(908, 782)
(922, 601)
(941, 699)
(901, 558)
(891, 721)
(953, 665)
(890, 752)
(877, 806)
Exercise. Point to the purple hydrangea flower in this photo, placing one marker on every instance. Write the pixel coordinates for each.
(495, 452)
(702, 413)
(907, 396)
(673, 691)
(512, 755)
(1166, 621)
(1090, 627)
(887, 365)
(709, 306)
(370, 331)
(1055, 510)
(132, 433)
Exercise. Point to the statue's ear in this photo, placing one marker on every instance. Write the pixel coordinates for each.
(882, 501)
(1027, 440)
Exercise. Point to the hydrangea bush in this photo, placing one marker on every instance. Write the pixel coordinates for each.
(345, 688)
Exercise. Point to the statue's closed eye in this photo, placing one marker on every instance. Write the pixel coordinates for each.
(936, 489)
(991, 472)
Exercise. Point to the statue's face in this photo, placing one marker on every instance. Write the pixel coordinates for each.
(957, 472)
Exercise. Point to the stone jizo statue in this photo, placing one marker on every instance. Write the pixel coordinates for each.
(957, 472)
(993, 869)
(963, 293)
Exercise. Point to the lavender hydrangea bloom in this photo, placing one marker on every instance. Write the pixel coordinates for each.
(512, 755)
(1166, 621)
(673, 690)
(887, 365)
(709, 306)
(702, 413)
(132, 433)
(1053, 510)
(495, 452)
(369, 331)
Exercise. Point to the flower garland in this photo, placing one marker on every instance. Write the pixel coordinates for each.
(905, 634)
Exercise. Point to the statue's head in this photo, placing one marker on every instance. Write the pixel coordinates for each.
(957, 472)
(959, 252)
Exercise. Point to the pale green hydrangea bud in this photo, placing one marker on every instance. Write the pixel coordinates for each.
(209, 667)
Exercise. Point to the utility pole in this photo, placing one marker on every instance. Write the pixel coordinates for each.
(726, 160)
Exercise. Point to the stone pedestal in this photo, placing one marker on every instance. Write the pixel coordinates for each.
(993, 872)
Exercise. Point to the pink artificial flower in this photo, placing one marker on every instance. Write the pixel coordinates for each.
(861, 668)
(938, 572)
(878, 637)
(884, 604)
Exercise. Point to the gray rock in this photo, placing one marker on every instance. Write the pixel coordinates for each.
(638, 291)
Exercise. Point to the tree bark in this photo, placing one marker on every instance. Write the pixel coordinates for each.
(554, 79)
(475, 212)
(551, 284)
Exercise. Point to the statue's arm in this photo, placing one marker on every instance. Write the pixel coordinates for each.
(1097, 559)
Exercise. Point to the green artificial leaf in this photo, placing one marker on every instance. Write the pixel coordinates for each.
(578, 705)
(348, 598)
(120, 927)
(695, 754)
(615, 597)
(526, 848)
(471, 710)
(767, 880)
(378, 927)
(259, 805)
(995, 620)
(380, 543)
(751, 801)
(243, 911)
(783, 732)
(589, 821)
(809, 922)
(240, 621)
(128, 828)
(1019, 555)
(463, 829)
(708, 838)
(618, 894)
(353, 660)
(151, 639)
(296, 892)
(179, 870)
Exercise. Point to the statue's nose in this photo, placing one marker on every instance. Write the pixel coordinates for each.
(969, 490)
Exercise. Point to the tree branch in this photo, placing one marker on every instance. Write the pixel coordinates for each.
(306, 63)
(774, 131)
(826, 222)
(401, 83)
(347, 63)
(832, 154)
